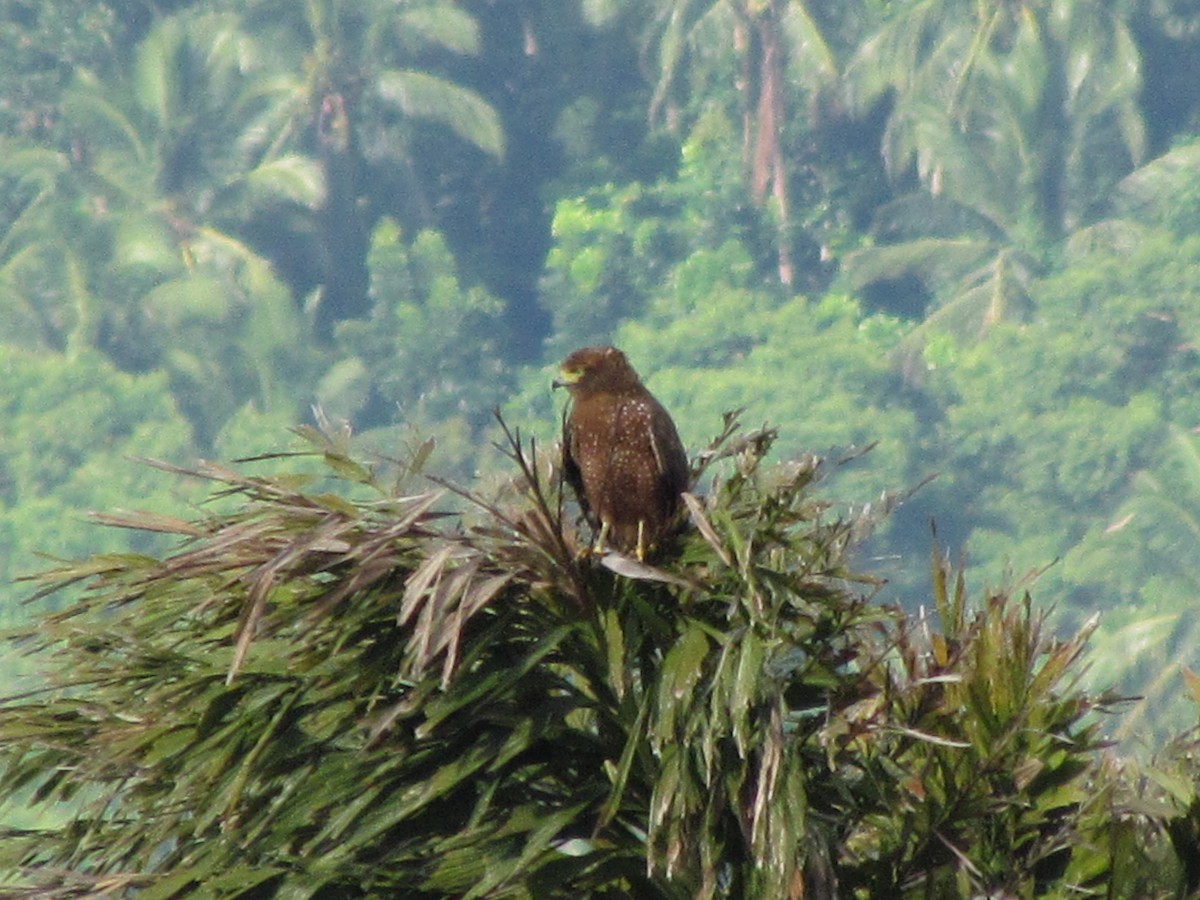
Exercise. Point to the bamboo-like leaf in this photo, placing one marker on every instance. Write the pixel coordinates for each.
(682, 668)
(629, 567)
(147, 521)
(614, 642)
(634, 745)
(696, 510)
(424, 704)
(747, 683)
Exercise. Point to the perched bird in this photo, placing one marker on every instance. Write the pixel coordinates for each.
(621, 452)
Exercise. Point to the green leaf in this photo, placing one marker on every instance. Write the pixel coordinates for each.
(188, 299)
(442, 25)
(425, 96)
(291, 177)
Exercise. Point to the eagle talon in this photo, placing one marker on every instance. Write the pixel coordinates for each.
(598, 549)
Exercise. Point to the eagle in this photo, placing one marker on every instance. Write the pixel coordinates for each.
(621, 453)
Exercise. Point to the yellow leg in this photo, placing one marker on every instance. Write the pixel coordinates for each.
(601, 540)
(641, 543)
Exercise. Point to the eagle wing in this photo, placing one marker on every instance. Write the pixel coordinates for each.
(670, 457)
(571, 470)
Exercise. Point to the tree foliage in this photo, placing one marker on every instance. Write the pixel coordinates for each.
(1012, 119)
(70, 426)
(961, 232)
(331, 690)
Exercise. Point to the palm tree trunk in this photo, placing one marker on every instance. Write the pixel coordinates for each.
(345, 237)
(768, 171)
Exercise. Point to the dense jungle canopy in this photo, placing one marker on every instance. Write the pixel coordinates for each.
(965, 233)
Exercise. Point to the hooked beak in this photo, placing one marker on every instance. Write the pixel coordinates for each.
(565, 379)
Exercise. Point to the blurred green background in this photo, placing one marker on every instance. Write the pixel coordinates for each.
(966, 233)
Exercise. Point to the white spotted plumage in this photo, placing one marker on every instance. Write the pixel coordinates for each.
(621, 451)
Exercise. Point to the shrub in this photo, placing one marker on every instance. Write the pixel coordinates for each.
(348, 692)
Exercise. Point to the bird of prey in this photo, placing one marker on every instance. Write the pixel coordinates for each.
(621, 452)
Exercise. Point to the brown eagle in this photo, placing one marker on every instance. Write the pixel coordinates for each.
(621, 452)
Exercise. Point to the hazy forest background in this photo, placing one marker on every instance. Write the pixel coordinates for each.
(968, 233)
